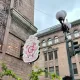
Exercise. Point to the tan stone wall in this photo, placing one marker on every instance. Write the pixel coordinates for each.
(62, 60)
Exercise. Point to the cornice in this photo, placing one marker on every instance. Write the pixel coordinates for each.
(55, 28)
(17, 15)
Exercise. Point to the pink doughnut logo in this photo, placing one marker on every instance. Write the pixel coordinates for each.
(31, 49)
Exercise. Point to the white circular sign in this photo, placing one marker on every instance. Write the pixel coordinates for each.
(31, 49)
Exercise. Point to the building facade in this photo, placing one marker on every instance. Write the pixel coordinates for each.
(16, 24)
(53, 54)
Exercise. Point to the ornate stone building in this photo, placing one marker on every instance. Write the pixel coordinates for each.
(16, 24)
(53, 55)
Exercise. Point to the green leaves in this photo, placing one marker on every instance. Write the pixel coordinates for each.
(55, 76)
(4, 67)
(34, 74)
(7, 72)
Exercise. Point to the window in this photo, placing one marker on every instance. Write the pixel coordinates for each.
(76, 33)
(55, 54)
(21, 51)
(43, 43)
(20, 2)
(69, 36)
(45, 56)
(0, 46)
(50, 55)
(56, 40)
(51, 69)
(75, 68)
(57, 70)
(46, 73)
(49, 41)
(17, 3)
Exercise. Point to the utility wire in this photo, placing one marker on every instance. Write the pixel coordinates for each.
(43, 12)
(33, 7)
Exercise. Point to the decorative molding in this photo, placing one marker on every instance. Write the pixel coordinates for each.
(50, 49)
(55, 28)
(21, 18)
(16, 36)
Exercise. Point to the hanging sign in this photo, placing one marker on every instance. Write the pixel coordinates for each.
(31, 49)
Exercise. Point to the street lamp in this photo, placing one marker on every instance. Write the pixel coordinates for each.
(61, 15)
(65, 28)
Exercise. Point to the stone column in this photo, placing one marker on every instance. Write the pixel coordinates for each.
(7, 30)
(3, 18)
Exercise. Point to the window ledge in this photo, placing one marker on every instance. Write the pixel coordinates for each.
(76, 37)
(14, 56)
(76, 75)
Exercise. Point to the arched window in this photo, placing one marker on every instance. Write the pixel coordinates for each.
(56, 39)
(76, 33)
(43, 43)
(69, 36)
(49, 41)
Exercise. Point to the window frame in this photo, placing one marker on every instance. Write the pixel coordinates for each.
(43, 42)
(21, 51)
(69, 36)
(57, 70)
(45, 57)
(75, 68)
(50, 55)
(46, 73)
(55, 54)
(56, 39)
(51, 71)
(76, 33)
(49, 41)
(0, 47)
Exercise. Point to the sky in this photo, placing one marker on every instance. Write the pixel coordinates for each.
(45, 12)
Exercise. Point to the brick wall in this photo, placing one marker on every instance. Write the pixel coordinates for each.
(12, 58)
(17, 36)
(26, 7)
(13, 46)
(18, 66)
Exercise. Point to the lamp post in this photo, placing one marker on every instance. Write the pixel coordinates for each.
(65, 28)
